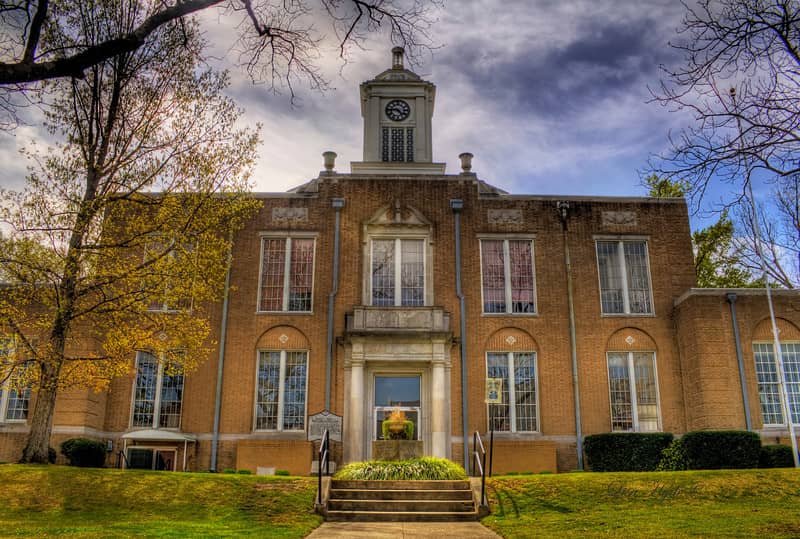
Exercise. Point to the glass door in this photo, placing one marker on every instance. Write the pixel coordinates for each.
(397, 393)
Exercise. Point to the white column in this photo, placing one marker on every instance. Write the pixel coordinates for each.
(439, 410)
(355, 436)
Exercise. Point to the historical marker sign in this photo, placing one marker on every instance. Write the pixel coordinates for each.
(318, 423)
(494, 391)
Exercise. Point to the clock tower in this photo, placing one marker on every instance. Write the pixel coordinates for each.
(397, 107)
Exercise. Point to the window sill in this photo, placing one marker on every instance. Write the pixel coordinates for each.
(293, 313)
(280, 434)
(515, 436)
(514, 315)
(627, 315)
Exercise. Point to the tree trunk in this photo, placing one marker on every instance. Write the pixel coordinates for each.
(42, 421)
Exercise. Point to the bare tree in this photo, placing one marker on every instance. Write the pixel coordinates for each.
(779, 221)
(278, 40)
(740, 79)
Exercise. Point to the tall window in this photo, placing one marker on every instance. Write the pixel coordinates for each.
(624, 277)
(287, 274)
(398, 272)
(507, 276)
(769, 392)
(518, 413)
(158, 393)
(633, 391)
(165, 283)
(15, 393)
(281, 390)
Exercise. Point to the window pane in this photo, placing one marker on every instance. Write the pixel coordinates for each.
(272, 274)
(646, 400)
(383, 272)
(301, 275)
(611, 297)
(169, 415)
(522, 288)
(791, 371)
(497, 367)
(493, 276)
(269, 366)
(144, 394)
(638, 281)
(525, 391)
(412, 271)
(294, 392)
(19, 394)
(768, 388)
(620, 391)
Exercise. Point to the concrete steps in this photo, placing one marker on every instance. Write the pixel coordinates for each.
(395, 501)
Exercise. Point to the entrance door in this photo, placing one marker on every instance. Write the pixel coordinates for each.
(397, 393)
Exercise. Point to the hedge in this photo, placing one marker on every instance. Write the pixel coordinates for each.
(84, 452)
(714, 450)
(775, 456)
(625, 451)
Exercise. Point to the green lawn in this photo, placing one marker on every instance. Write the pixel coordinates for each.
(742, 503)
(74, 502)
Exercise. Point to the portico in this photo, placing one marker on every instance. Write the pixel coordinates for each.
(397, 358)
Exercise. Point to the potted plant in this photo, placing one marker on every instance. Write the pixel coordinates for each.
(397, 427)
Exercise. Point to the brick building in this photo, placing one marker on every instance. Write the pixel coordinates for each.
(400, 286)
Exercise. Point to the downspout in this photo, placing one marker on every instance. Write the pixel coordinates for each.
(221, 360)
(337, 204)
(746, 400)
(563, 208)
(457, 205)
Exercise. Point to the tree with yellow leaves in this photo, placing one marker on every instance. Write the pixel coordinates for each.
(119, 242)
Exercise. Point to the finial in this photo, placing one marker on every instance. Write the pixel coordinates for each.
(397, 57)
(329, 159)
(466, 162)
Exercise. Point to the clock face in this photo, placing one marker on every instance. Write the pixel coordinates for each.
(397, 110)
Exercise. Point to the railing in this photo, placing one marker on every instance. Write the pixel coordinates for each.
(324, 460)
(120, 457)
(479, 460)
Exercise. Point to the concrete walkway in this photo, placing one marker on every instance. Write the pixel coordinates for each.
(402, 530)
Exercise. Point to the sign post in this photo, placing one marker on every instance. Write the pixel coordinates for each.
(494, 395)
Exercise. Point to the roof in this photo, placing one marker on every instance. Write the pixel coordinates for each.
(158, 435)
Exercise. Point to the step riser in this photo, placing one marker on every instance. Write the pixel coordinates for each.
(401, 506)
(400, 485)
(352, 494)
(400, 517)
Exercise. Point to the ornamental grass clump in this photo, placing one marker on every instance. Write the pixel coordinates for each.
(424, 468)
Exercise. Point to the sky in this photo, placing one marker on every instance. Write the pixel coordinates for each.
(550, 96)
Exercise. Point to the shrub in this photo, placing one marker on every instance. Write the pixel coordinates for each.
(775, 456)
(228, 470)
(51, 455)
(282, 472)
(244, 472)
(673, 457)
(714, 450)
(625, 451)
(426, 468)
(84, 452)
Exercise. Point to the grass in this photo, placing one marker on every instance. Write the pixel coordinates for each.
(47, 501)
(719, 503)
(425, 468)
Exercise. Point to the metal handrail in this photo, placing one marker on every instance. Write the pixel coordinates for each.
(323, 458)
(480, 463)
(120, 457)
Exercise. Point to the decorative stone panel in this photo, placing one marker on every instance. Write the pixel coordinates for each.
(619, 218)
(630, 339)
(290, 215)
(786, 330)
(504, 217)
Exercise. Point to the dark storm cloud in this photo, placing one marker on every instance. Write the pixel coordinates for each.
(605, 59)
